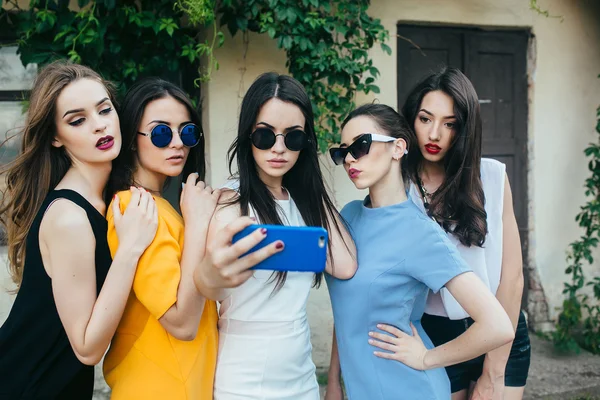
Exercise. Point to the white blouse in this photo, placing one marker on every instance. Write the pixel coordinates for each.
(486, 261)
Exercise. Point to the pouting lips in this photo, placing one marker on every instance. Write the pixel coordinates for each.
(104, 140)
(353, 173)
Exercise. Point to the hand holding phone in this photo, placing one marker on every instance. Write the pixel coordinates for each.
(305, 247)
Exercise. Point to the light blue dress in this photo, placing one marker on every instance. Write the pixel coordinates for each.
(402, 254)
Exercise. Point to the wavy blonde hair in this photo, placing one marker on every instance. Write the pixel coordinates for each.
(39, 167)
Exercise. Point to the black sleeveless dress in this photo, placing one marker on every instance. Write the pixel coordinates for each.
(36, 358)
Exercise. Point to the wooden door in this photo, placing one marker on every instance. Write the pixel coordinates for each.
(496, 63)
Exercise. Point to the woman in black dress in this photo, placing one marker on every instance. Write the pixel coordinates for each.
(70, 294)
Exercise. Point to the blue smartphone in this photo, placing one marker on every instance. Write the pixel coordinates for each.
(305, 247)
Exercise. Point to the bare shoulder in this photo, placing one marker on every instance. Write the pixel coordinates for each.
(228, 209)
(227, 196)
(64, 219)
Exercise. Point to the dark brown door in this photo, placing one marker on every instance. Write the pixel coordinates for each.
(496, 63)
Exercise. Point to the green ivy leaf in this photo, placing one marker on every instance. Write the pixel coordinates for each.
(386, 48)
(74, 56)
(242, 24)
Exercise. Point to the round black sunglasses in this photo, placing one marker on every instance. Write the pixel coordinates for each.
(265, 138)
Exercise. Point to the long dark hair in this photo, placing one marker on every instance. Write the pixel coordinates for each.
(40, 166)
(303, 181)
(131, 113)
(458, 204)
(391, 123)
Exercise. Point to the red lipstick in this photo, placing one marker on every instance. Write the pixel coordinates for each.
(105, 142)
(432, 148)
(353, 173)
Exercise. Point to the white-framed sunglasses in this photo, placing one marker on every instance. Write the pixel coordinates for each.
(359, 148)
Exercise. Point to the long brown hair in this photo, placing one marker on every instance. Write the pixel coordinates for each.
(458, 204)
(40, 166)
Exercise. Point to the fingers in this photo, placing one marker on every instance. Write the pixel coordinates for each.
(389, 356)
(391, 329)
(145, 198)
(245, 244)
(414, 331)
(155, 212)
(236, 279)
(201, 185)
(191, 180)
(225, 236)
(116, 208)
(135, 195)
(189, 183)
(383, 337)
(257, 256)
(151, 203)
(382, 345)
(152, 210)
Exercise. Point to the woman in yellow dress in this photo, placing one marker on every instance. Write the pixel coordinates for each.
(165, 346)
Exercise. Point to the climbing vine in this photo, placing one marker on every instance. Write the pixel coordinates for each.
(122, 39)
(327, 45)
(579, 320)
(578, 323)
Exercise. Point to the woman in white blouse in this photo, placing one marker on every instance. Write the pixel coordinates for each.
(470, 198)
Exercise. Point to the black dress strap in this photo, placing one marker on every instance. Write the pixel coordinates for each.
(74, 197)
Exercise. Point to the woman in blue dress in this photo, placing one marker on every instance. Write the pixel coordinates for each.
(402, 254)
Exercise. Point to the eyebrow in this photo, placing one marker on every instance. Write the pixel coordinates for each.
(159, 121)
(286, 129)
(430, 113)
(81, 109)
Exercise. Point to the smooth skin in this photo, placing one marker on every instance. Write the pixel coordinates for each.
(492, 328)
(435, 124)
(84, 114)
(198, 201)
(221, 269)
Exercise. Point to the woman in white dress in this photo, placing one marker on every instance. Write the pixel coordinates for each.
(264, 337)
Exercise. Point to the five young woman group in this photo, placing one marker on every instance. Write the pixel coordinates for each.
(424, 273)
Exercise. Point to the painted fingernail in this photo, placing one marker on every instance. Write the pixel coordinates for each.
(371, 341)
(279, 246)
(263, 231)
(379, 326)
(370, 333)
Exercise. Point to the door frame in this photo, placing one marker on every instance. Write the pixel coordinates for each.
(523, 116)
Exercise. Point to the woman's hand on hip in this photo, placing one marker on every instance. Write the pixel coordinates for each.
(399, 346)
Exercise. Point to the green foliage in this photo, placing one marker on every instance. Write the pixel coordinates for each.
(326, 42)
(534, 6)
(327, 45)
(121, 39)
(579, 320)
(202, 13)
